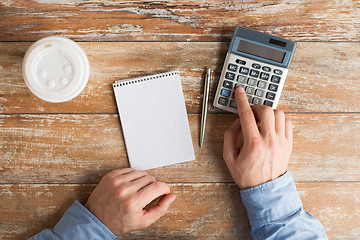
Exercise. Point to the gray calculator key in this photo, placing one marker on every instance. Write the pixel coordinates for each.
(273, 87)
(244, 70)
(250, 90)
(230, 76)
(223, 101)
(275, 79)
(278, 72)
(252, 82)
(261, 85)
(266, 69)
(270, 95)
(232, 104)
(254, 73)
(264, 76)
(228, 84)
(249, 98)
(232, 67)
(256, 100)
(239, 85)
(259, 93)
(268, 103)
(241, 79)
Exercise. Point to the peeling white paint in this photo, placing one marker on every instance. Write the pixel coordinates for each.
(64, 2)
(55, 31)
(6, 3)
(121, 28)
(153, 12)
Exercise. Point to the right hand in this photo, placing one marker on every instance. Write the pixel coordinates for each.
(118, 201)
(258, 145)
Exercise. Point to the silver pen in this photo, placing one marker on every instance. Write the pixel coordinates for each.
(204, 107)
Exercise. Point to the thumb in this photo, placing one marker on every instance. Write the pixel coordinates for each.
(160, 209)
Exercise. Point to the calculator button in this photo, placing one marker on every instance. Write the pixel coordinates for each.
(239, 61)
(232, 104)
(241, 79)
(264, 76)
(275, 79)
(254, 73)
(255, 65)
(252, 82)
(268, 103)
(278, 72)
(233, 95)
(250, 90)
(227, 84)
(244, 70)
(259, 93)
(270, 95)
(261, 84)
(256, 100)
(266, 69)
(249, 98)
(224, 92)
(273, 87)
(223, 101)
(232, 67)
(239, 85)
(230, 76)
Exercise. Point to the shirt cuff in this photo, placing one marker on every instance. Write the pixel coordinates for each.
(271, 201)
(79, 223)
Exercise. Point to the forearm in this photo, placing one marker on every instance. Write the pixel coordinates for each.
(275, 212)
(76, 223)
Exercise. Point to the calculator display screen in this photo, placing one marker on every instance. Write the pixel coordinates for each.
(261, 51)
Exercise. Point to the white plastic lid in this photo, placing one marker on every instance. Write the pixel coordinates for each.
(55, 69)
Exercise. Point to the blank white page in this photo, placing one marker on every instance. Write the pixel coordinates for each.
(154, 120)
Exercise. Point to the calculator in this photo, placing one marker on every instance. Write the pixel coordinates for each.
(257, 62)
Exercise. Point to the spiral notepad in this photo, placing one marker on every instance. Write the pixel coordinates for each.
(154, 120)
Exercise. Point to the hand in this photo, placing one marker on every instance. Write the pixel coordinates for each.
(119, 199)
(258, 145)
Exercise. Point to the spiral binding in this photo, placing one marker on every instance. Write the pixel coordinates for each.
(142, 79)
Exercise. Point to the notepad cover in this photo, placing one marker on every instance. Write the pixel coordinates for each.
(154, 120)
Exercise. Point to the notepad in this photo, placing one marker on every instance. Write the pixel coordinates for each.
(154, 120)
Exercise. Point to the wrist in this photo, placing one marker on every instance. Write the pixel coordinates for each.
(271, 200)
(248, 180)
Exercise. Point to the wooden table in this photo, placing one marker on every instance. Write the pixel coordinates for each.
(52, 154)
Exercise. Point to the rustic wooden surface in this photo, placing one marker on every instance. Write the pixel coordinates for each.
(52, 154)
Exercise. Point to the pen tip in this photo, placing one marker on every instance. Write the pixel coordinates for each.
(209, 71)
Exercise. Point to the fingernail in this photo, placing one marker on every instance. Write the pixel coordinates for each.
(241, 89)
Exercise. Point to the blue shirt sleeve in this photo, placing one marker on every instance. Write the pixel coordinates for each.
(76, 223)
(275, 211)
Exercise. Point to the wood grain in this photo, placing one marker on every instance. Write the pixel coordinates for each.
(26, 20)
(82, 148)
(323, 77)
(201, 211)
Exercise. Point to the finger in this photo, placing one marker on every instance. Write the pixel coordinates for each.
(141, 183)
(231, 138)
(120, 179)
(159, 210)
(133, 176)
(279, 122)
(121, 171)
(288, 129)
(153, 191)
(247, 119)
(265, 117)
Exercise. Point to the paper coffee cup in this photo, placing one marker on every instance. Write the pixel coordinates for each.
(55, 69)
